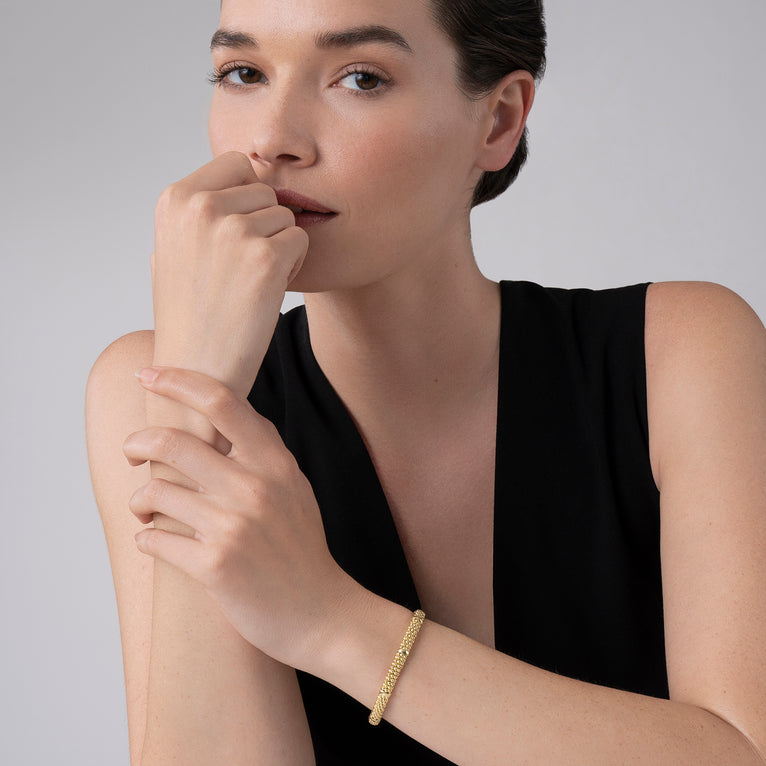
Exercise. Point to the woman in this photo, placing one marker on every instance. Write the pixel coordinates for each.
(419, 437)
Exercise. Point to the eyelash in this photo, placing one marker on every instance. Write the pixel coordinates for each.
(218, 77)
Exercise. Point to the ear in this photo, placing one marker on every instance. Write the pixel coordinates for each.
(505, 112)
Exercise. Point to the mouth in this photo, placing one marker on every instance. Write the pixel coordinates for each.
(307, 211)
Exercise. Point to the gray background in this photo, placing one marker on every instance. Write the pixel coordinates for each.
(647, 164)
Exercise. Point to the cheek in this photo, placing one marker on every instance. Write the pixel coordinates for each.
(407, 158)
(226, 130)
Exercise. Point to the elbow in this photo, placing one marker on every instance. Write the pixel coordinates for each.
(753, 752)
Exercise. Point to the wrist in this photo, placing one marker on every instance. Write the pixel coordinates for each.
(360, 642)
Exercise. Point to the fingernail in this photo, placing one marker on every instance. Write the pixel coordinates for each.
(147, 375)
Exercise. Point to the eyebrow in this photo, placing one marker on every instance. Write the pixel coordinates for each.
(345, 38)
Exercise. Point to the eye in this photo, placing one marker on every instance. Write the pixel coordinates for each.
(236, 76)
(244, 76)
(363, 81)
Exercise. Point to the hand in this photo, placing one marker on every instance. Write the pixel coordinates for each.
(258, 544)
(225, 252)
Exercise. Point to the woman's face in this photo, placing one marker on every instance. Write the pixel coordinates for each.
(353, 104)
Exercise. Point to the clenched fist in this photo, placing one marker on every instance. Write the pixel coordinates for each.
(225, 252)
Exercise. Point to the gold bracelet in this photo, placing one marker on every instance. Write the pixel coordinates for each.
(396, 667)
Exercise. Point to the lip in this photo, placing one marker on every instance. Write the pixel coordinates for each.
(291, 199)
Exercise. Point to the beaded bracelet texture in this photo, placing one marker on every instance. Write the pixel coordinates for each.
(396, 667)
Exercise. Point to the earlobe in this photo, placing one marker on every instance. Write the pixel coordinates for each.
(507, 109)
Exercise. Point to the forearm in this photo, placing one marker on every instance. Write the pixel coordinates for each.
(212, 697)
(477, 706)
(183, 624)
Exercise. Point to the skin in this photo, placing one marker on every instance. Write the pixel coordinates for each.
(356, 151)
(234, 586)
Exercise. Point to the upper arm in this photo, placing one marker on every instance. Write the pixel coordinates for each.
(209, 686)
(706, 392)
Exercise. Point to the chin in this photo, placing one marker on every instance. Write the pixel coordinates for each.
(324, 272)
(316, 276)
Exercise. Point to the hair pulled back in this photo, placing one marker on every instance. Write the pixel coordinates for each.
(494, 38)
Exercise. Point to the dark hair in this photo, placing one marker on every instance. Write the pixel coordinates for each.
(494, 38)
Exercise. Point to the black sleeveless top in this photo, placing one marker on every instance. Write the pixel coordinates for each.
(576, 574)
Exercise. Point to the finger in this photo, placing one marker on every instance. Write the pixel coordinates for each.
(275, 257)
(226, 170)
(183, 552)
(245, 199)
(197, 460)
(269, 221)
(160, 496)
(292, 245)
(233, 417)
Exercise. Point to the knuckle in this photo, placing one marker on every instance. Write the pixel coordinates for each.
(127, 444)
(265, 258)
(232, 529)
(269, 196)
(221, 401)
(165, 443)
(260, 249)
(169, 198)
(256, 492)
(235, 226)
(287, 217)
(136, 502)
(300, 238)
(217, 566)
(148, 544)
(286, 468)
(293, 244)
(239, 158)
(203, 205)
(271, 432)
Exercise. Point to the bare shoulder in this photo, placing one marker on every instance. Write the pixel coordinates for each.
(692, 314)
(114, 408)
(705, 355)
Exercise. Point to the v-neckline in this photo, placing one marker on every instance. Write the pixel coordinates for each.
(387, 532)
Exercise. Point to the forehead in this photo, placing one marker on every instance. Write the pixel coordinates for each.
(307, 20)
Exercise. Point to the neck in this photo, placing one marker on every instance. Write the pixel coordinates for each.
(410, 342)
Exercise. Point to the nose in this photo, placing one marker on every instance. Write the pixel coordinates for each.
(283, 132)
